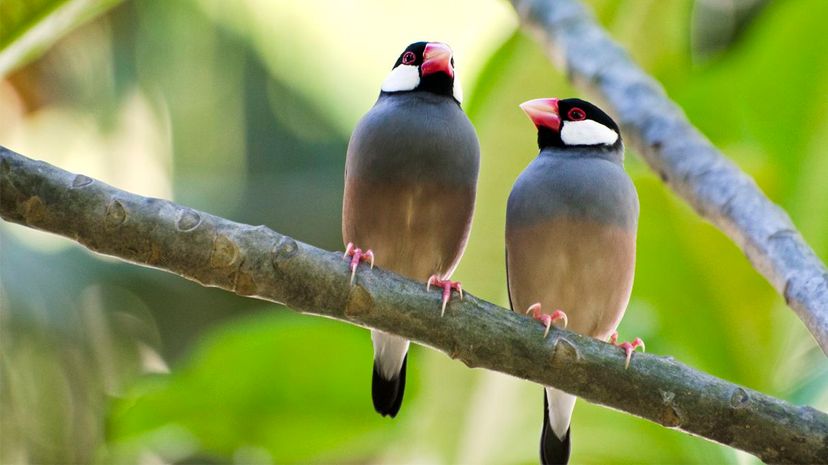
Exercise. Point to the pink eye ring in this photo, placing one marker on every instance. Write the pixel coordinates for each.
(408, 58)
(576, 114)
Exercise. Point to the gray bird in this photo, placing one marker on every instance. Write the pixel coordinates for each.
(410, 184)
(571, 223)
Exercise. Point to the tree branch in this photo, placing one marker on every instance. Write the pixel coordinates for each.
(258, 262)
(683, 157)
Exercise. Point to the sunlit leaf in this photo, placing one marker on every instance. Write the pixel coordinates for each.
(29, 27)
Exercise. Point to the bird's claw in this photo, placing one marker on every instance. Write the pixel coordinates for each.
(447, 287)
(357, 255)
(547, 319)
(629, 347)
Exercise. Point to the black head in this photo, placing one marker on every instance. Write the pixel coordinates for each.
(572, 123)
(424, 66)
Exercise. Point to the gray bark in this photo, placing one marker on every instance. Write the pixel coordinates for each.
(683, 157)
(258, 262)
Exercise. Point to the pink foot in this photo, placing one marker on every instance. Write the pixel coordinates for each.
(547, 319)
(357, 255)
(628, 347)
(447, 286)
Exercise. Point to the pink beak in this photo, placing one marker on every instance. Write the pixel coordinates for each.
(543, 112)
(437, 59)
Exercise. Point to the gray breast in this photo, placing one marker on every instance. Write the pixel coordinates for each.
(579, 187)
(414, 136)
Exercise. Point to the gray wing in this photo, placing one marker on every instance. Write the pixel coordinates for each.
(410, 185)
(570, 239)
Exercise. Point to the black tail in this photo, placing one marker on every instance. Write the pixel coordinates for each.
(388, 394)
(553, 451)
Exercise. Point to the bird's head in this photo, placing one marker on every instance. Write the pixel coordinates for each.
(571, 122)
(424, 66)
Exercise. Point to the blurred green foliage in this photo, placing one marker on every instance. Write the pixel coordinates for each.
(244, 109)
(29, 27)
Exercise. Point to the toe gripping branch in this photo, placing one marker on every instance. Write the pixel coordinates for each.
(447, 287)
(357, 255)
(547, 319)
(629, 347)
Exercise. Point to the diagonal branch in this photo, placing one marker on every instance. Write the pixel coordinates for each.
(683, 157)
(258, 262)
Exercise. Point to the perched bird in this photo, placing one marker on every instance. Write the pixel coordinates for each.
(571, 223)
(410, 185)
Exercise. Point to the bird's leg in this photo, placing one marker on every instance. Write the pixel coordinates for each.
(357, 255)
(628, 347)
(447, 286)
(547, 319)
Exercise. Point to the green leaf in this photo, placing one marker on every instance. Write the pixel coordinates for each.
(275, 383)
(29, 27)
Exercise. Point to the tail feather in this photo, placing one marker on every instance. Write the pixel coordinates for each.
(553, 450)
(388, 393)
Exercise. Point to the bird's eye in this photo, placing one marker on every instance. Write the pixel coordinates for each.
(576, 114)
(408, 58)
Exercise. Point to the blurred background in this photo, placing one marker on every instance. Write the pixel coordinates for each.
(244, 109)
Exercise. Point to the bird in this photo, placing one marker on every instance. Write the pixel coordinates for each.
(571, 222)
(410, 185)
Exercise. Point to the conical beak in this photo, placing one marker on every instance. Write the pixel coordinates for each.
(543, 112)
(437, 59)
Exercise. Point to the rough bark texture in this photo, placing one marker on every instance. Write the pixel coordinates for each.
(683, 157)
(258, 262)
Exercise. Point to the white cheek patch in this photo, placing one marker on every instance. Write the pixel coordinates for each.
(457, 89)
(587, 132)
(402, 78)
